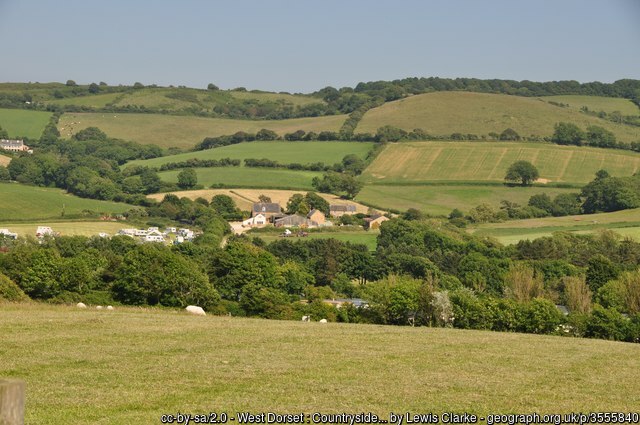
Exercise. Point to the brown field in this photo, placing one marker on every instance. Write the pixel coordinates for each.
(4, 160)
(244, 198)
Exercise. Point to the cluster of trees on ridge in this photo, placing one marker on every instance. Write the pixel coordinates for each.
(423, 273)
(344, 100)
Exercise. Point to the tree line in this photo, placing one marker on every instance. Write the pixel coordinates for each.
(423, 273)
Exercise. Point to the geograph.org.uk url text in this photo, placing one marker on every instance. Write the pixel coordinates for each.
(401, 418)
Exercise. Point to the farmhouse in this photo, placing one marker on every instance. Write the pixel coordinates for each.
(256, 221)
(13, 145)
(374, 221)
(267, 209)
(340, 210)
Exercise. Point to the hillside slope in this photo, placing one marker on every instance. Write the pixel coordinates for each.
(444, 113)
(185, 131)
(283, 152)
(428, 161)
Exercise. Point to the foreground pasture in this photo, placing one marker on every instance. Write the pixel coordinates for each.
(132, 365)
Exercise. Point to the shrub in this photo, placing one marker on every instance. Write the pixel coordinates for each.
(9, 291)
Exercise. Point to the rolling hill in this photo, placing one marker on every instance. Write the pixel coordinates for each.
(23, 203)
(488, 161)
(597, 103)
(184, 131)
(444, 113)
(119, 357)
(283, 152)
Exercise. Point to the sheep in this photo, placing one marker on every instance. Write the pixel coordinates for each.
(323, 321)
(109, 307)
(194, 309)
(98, 307)
(306, 318)
(81, 305)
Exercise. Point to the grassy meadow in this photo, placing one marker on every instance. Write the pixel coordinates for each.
(441, 199)
(67, 227)
(626, 223)
(24, 203)
(597, 103)
(443, 113)
(132, 365)
(184, 131)
(93, 101)
(283, 152)
(24, 123)
(5, 160)
(249, 177)
(488, 161)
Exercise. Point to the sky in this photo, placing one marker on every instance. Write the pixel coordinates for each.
(304, 45)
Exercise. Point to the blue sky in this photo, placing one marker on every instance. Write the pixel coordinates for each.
(302, 46)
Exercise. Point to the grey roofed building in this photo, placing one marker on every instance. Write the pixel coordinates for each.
(338, 210)
(13, 145)
(294, 221)
(268, 209)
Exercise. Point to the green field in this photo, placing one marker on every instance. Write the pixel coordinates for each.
(23, 123)
(597, 103)
(131, 365)
(284, 152)
(94, 101)
(626, 223)
(480, 161)
(440, 200)
(67, 228)
(24, 203)
(444, 113)
(184, 131)
(368, 238)
(249, 177)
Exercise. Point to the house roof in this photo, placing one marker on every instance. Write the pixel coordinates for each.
(12, 143)
(345, 208)
(266, 207)
(294, 220)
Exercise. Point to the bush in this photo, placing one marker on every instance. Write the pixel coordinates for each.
(9, 291)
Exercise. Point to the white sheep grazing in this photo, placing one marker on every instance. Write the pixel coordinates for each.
(194, 309)
(81, 305)
(306, 318)
(323, 321)
(109, 307)
(98, 307)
